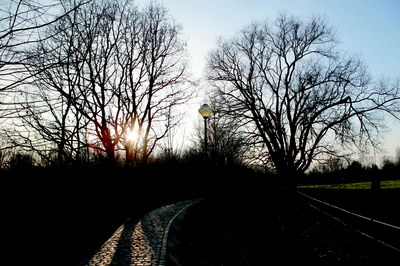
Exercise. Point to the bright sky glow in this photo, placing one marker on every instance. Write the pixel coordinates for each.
(132, 136)
(368, 28)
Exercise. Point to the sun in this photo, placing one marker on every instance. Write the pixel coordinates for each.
(132, 136)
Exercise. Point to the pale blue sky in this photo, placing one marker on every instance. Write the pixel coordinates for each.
(368, 28)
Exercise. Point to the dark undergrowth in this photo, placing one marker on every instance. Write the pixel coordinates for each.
(60, 217)
(277, 228)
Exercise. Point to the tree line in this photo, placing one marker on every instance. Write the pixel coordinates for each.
(104, 78)
(88, 80)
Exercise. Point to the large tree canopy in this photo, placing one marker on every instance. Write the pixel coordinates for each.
(107, 79)
(288, 85)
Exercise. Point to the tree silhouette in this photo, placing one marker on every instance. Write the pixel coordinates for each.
(108, 69)
(20, 25)
(297, 95)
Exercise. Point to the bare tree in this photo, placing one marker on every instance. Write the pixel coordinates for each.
(156, 81)
(288, 85)
(49, 125)
(43, 121)
(119, 70)
(20, 25)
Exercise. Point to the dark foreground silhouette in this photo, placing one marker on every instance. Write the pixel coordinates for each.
(270, 229)
(60, 220)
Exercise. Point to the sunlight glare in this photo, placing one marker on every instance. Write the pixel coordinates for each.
(132, 136)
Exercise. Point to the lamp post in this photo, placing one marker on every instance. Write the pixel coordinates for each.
(205, 111)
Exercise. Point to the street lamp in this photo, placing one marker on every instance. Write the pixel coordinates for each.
(205, 111)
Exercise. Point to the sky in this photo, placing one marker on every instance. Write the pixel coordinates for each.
(369, 29)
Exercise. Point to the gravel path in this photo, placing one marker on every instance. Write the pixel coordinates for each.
(139, 243)
(275, 228)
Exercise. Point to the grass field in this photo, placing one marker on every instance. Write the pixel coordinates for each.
(385, 184)
(381, 204)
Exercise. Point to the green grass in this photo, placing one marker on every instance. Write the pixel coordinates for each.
(385, 184)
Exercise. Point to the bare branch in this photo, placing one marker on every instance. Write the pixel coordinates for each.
(292, 90)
